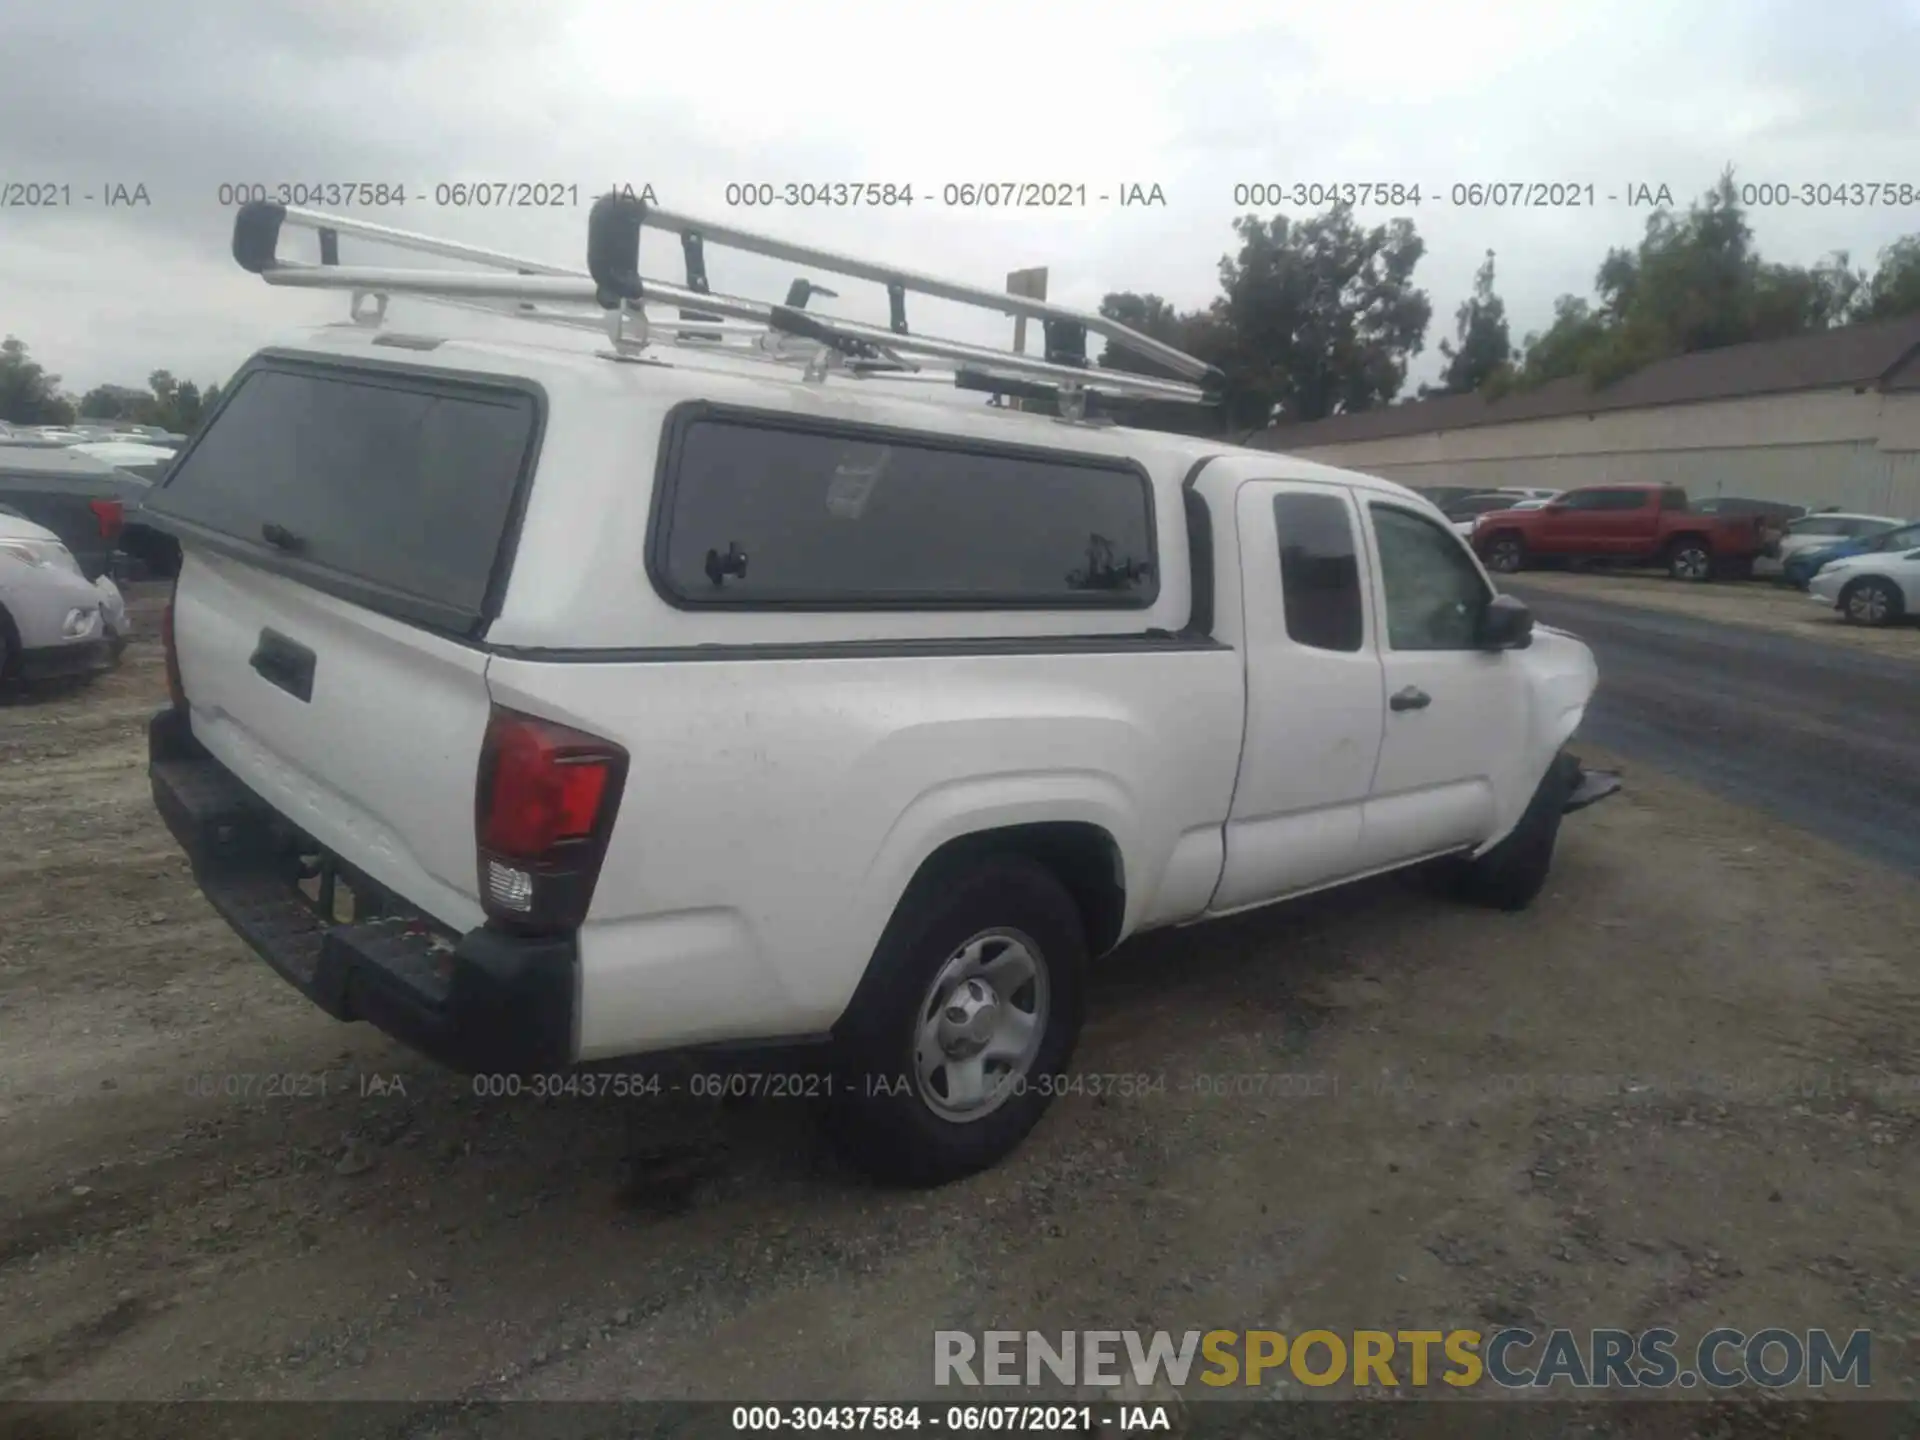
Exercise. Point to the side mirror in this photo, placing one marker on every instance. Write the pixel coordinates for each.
(1506, 624)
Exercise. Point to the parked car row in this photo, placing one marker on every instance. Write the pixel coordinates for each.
(71, 525)
(1822, 539)
(87, 432)
(55, 620)
(1864, 563)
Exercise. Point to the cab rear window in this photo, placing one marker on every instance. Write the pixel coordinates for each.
(400, 488)
(771, 511)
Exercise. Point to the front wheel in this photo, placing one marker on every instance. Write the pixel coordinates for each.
(954, 1045)
(1512, 873)
(1870, 602)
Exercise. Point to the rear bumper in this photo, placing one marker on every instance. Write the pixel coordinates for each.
(483, 1002)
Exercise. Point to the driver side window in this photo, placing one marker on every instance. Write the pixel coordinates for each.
(1436, 595)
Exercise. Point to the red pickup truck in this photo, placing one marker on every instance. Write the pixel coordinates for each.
(1626, 524)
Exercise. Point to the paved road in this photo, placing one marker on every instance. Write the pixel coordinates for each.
(1825, 737)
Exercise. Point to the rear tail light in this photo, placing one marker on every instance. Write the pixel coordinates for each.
(544, 807)
(176, 689)
(111, 514)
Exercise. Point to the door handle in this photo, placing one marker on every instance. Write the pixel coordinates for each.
(285, 663)
(1411, 698)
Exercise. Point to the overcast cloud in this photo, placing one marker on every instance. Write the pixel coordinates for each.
(181, 99)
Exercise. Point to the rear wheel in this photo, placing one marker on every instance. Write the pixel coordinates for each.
(950, 1051)
(1871, 602)
(9, 646)
(1505, 554)
(1689, 559)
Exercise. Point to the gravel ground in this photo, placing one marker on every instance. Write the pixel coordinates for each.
(1681, 1089)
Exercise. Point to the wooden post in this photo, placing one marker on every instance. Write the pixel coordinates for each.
(1032, 284)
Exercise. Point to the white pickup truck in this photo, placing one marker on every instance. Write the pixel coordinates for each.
(545, 711)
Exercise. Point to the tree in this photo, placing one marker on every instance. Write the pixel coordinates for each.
(1695, 283)
(1482, 351)
(115, 402)
(1894, 289)
(1320, 318)
(28, 394)
(1148, 314)
(1200, 333)
(176, 405)
(1566, 347)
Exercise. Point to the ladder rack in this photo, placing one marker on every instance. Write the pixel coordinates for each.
(611, 295)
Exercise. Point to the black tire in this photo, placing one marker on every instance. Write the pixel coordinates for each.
(1512, 873)
(1505, 554)
(880, 1119)
(1871, 601)
(9, 646)
(1690, 558)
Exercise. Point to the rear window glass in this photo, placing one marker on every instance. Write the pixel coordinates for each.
(1319, 570)
(769, 513)
(405, 483)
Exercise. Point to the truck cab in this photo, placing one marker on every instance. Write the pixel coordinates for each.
(1413, 724)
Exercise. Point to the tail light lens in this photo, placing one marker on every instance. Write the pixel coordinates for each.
(111, 514)
(545, 804)
(176, 688)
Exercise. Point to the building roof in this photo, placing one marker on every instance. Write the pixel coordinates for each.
(1859, 356)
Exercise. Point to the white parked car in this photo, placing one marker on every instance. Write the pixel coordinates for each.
(1876, 589)
(1829, 527)
(611, 709)
(137, 457)
(53, 620)
(1464, 528)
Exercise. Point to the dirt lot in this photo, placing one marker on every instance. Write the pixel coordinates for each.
(1682, 1088)
(1760, 603)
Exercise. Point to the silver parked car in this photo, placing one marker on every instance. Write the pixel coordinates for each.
(53, 620)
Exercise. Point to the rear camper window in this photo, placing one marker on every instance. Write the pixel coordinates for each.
(402, 486)
(772, 512)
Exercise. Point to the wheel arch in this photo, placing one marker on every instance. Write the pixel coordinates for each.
(1886, 582)
(1083, 854)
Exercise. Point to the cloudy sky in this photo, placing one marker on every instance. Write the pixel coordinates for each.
(184, 98)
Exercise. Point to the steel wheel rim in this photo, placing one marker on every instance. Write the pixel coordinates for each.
(1867, 603)
(1692, 563)
(1506, 556)
(980, 1025)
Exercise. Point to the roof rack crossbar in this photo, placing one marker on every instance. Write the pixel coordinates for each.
(613, 282)
(755, 243)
